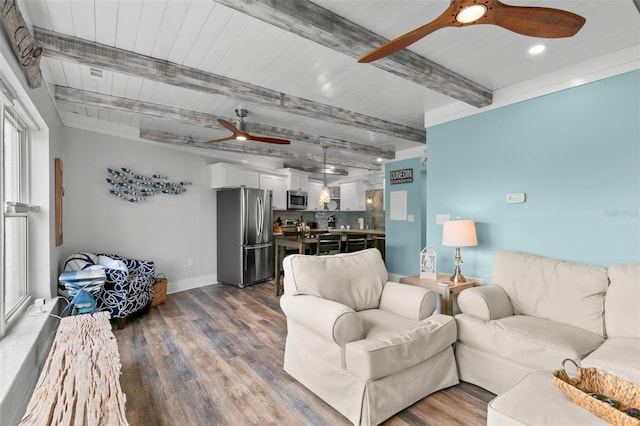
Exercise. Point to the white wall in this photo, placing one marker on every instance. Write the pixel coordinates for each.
(168, 229)
(23, 350)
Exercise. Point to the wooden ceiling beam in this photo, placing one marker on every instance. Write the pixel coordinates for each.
(69, 48)
(248, 148)
(313, 22)
(317, 170)
(200, 119)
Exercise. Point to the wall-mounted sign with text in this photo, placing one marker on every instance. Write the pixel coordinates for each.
(401, 176)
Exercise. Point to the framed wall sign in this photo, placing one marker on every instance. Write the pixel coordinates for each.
(401, 176)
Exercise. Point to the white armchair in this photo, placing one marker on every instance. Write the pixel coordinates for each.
(367, 347)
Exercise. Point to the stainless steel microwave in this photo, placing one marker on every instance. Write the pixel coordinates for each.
(297, 200)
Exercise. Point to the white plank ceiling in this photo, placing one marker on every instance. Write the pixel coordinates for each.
(208, 36)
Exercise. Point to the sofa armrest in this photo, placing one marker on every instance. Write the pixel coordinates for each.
(487, 302)
(328, 319)
(408, 301)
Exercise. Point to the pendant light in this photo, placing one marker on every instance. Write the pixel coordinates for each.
(325, 195)
(369, 199)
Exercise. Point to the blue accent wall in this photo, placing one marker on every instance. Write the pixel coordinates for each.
(404, 239)
(576, 156)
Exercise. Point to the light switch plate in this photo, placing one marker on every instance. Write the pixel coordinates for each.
(515, 197)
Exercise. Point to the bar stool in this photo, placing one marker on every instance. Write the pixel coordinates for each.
(328, 244)
(355, 242)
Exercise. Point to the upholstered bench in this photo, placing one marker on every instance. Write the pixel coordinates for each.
(535, 400)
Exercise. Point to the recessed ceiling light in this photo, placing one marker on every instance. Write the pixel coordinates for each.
(379, 160)
(537, 49)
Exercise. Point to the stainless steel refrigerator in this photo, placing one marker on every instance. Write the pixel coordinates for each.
(245, 236)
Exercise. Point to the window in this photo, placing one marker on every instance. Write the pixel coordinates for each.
(15, 212)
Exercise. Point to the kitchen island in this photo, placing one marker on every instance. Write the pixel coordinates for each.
(372, 232)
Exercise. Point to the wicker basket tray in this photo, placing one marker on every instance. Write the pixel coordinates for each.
(159, 290)
(592, 380)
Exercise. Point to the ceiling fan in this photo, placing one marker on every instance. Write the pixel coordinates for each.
(240, 132)
(530, 21)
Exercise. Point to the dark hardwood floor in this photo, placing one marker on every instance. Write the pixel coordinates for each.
(213, 356)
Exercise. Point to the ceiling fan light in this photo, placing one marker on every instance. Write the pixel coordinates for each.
(241, 138)
(471, 13)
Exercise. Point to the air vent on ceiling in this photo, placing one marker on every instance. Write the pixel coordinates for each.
(96, 73)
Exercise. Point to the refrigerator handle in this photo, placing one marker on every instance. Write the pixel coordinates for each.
(259, 216)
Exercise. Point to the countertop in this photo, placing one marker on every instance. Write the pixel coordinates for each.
(375, 232)
(357, 231)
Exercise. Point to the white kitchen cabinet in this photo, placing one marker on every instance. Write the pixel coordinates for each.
(313, 191)
(278, 186)
(224, 175)
(352, 196)
(297, 180)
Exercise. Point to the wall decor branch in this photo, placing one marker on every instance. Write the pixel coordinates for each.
(134, 187)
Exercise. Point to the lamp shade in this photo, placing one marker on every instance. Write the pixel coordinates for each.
(459, 233)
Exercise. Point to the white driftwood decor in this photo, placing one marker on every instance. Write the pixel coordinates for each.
(80, 381)
(25, 47)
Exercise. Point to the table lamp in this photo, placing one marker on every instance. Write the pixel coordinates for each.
(459, 233)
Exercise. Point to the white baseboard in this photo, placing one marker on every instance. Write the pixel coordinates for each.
(189, 283)
(395, 277)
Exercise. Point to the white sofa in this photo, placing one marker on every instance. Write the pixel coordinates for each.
(539, 311)
(620, 352)
(367, 347)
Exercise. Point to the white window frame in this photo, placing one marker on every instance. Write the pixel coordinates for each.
(13, 209)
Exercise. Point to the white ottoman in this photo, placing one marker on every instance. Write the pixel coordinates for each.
(535, 400)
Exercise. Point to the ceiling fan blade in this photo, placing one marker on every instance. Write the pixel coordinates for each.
(530, 21)
(224, 123)
(268, 140)
(399, 43)
(542, 22)
(228, 138)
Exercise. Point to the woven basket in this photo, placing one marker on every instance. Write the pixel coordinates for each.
(590, 380)
(159, 290)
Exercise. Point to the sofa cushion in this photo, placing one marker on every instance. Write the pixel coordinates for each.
(354, 279)
(619, 356)
(565, 292)
(536, 342)
(393, 343)
(621, 313)
(535, 400)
